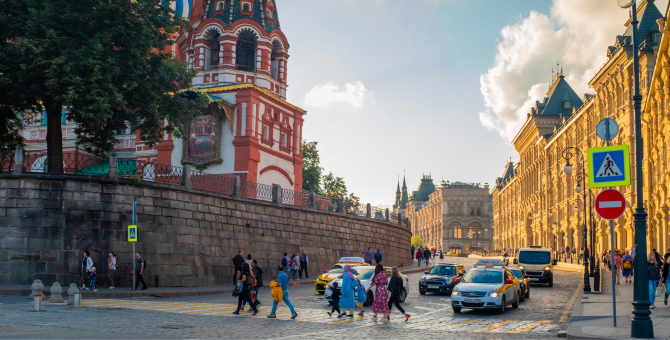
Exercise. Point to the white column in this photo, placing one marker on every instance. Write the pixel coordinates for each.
(244, 119)
(253, 120)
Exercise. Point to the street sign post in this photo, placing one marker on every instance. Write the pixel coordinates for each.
(132, 237)
(607, 129)
(132, 233)
(610, 204)
(609, 166)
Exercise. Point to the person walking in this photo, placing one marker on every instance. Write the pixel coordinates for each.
(257, 277)
(140, 265)
(337, 293)
(378, 257)
(396, 287)
(282, 282)
(304, 262)
(349, 284)
(368, 256)
(666, 268)
(244, 277)
(581, 252)
(654, 276)
(627, 264)
(285, 261)
(93, 277)
(112, 265)
(659, 260)
(380, 281)
(86, 265)
(237, 264)
(249, 260)
(442, 254)
(419, 256)
(413, 249)
(361, 297)
(617, 266)
(426, 255)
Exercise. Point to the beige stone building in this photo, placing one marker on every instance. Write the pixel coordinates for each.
(535, 203)
(452, 216)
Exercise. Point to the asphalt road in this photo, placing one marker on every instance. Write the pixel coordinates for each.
(211, 317)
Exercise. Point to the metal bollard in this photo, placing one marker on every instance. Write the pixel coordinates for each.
(77, 300)
(37, 303)
(38, 292)
(596, 276)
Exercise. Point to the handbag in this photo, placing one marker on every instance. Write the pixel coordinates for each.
(660, 291)
(236, 292)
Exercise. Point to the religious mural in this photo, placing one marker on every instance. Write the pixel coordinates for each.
(203, 144)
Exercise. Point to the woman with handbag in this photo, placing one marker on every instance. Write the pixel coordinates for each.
(395, 287)
(245, 293)
(654, 275)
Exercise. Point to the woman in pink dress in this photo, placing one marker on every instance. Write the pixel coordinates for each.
(380, 305)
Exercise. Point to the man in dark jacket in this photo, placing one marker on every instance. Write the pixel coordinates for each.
(426, 255)
(378, 257)
(238, 260)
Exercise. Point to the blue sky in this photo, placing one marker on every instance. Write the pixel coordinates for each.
(430, 86)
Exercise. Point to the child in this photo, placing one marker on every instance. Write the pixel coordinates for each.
(336, 301)
(360, 298)
(92, 278)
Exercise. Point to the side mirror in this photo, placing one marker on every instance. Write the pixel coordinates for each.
(425, 272)
(508, 281)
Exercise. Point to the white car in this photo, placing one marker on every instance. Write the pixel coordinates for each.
(486, 287)
(364, 274)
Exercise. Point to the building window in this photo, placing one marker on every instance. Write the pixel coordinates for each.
(283, 140)
(566, 105)
(266, 132)
(479, 211)
(268, 14)
(246, 49)
(219, 6)
(472, 211)
(246, 7)
(656, 37)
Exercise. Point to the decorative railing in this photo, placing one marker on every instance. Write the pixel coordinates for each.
(80, 162)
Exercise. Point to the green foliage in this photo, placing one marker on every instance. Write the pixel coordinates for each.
(416, 241)
(334, 186)
(311, 168)
(136, 179)
(103, 60)
(10, 126)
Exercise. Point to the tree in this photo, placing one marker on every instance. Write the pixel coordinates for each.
(416, 240)
(101, 60)
(334, 186)
(311, 167)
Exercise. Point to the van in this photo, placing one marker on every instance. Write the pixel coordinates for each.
(536, 261)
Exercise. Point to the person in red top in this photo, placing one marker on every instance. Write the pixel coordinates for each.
(419, 256)
(617, 265)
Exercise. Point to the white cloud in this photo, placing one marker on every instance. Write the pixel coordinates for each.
(326, 94)
(576, 33)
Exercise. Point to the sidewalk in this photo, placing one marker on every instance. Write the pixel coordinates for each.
(126, 292)
(592, 314)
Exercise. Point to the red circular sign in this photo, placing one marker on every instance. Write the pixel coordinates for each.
(610, 204)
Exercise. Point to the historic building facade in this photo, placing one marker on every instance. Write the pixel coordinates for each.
(249, 129)
(535, 203)
(451, 217)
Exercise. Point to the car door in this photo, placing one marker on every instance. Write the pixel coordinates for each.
(509, 291)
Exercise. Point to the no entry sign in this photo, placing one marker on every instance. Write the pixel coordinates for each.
(610, 204)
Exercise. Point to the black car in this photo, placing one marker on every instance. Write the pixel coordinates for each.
(524, 283)
(441, 279)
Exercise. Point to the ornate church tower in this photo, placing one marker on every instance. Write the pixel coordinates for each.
(249, 129)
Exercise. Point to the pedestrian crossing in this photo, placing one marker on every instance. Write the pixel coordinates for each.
(427, 321)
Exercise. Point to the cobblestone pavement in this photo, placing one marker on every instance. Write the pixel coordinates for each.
(210, 317)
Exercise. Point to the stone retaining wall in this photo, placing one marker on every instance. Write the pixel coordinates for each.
(188, 237)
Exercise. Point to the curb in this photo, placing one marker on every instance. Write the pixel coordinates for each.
(418, 270)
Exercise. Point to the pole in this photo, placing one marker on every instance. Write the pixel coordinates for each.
(613, 270)
(133, 256)
(587, 281)
(641, 325)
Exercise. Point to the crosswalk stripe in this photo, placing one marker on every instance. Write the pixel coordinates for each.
(456, 325)
(350, 320)
(475, 325)
(208, 311)
(492, 326)
(179, 308)
(289, 314)
(528, 327)
(284, 312)
(543, 328)
(423, 323)
(201, 309)
(227, 313)
(390, 323)
(443, 323)
(506, 328)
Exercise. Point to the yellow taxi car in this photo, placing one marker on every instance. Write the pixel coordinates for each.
(450, 254)
(335, 271)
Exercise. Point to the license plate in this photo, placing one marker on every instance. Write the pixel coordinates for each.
(433, 287)
(534, 279)
(472, 300)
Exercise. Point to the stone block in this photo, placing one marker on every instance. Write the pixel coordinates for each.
(72, 290)
(56, 293)
(37, 289)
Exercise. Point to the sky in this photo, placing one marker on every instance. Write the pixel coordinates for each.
(435, 87)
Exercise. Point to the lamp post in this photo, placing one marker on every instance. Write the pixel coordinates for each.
(580, 177)
(641, 325)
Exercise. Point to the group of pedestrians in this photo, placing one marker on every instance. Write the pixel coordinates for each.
(423, 254)
(369, 256)
(295, 265)
(89, 273)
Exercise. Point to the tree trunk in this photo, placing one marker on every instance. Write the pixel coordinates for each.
(54, 136)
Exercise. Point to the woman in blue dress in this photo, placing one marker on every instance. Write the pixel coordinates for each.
(348, 285)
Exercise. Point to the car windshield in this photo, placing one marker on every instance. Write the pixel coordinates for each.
(516, 272)
(482, 276)
(336, 270)
(364, 274)
(534, 257)
(443, 270)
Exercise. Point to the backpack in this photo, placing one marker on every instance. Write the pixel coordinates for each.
(249, 279)
(283, 262)
(627, 264)
(303, 258)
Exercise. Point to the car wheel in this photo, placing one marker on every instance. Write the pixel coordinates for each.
(324, 292)
(422, 292)
(527, 293)
(522, 298)
(515, 304)
(551, 283)
(403, 295)
(457, 310)
(501, 309)
(369, 299)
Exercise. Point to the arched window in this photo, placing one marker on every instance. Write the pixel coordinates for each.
(246, 7)
(268, 13)
(219, 6)
(245, 59)
(214, 52)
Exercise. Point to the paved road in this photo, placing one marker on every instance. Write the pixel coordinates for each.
(210, 317)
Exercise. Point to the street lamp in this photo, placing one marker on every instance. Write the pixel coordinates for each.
(641, 325)
(579, 177)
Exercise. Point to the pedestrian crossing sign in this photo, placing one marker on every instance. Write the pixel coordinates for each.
(132, 233)
(609, 166)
